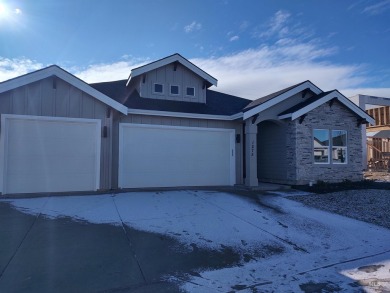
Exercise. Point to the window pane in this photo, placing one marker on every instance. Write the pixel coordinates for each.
(339, 155)
(339, 138)
(321, 145)
(158, 88)
(190, 91)
(174, 89)
(321, 155)
(321, 137)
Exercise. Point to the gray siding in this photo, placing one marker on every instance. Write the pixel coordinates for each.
(271, 151)
(167, 76)
(54, 97)
(173, 121)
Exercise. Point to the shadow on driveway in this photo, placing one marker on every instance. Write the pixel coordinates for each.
(39, 254)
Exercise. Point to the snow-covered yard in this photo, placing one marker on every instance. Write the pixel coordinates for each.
(281, 245)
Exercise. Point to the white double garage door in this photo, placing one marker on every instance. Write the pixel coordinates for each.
(46, 154)
(164, 156)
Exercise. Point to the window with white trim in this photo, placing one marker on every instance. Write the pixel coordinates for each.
(330, 146)
(190, 91)
(174, 90)
(158, 88)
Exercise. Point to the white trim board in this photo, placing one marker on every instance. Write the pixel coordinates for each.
(66, 76)
(168, 60)
(281, 98)
(184, 115)
(334, 94)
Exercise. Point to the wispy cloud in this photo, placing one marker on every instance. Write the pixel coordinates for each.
(193, 26)
(244, 25)
(280, 26)
(377, 92)
(257, 72)
(234, 38)
(377, 8)
(277, 25)
(108, 71)
(250, 73)
(10, 68)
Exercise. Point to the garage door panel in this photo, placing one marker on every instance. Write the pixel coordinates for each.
(46, 154)
(60, 165)
(38, 183)
(175, 156)
(47, 129)
(52, 147)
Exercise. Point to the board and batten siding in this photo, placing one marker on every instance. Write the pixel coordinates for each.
(167, 75)
(53, 97)
(174, 121)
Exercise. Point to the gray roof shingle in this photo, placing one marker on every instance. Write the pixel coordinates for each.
(266, 98)
(216, 103)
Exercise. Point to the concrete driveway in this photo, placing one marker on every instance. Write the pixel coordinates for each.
(186, 241)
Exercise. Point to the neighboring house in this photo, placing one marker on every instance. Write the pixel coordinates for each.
(164, 127)
(376, 137)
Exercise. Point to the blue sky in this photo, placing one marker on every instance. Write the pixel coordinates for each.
(251, 47)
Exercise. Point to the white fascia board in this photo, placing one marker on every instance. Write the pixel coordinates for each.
(184, 115)
(66, 76)
(285, 116)
(281, 98)
(81, 85)
(335, 94)
(312, 106)
(26, 79)
(168, 60)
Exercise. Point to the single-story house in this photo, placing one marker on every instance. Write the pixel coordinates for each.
(164, 126)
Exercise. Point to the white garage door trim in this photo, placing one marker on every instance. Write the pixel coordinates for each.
(4, 144)
(122, 126)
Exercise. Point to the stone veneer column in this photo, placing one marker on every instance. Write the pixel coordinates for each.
(251, 154)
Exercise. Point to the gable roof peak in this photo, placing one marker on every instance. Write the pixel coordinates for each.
(176, 57)
(55, 70)
(269, 100)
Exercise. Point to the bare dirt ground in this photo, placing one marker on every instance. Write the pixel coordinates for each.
(369, 205)
(377, 176)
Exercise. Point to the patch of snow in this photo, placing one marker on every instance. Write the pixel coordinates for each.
(313, 248)
(192, 219)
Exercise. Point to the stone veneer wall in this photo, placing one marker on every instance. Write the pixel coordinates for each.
(301, 168)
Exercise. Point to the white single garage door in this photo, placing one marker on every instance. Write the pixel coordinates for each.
(46, 154)
(166, 156)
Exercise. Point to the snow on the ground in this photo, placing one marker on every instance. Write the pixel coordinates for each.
(190, 219)
(328, 239)
(306, 247)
